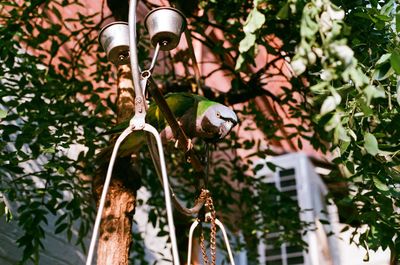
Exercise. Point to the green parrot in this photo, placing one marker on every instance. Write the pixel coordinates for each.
(198, 116)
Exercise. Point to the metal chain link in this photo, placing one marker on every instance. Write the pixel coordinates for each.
(209, 217)
(203, 247)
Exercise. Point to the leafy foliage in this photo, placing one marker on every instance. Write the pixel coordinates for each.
(48, 106)
(341, 95)
(349, 56)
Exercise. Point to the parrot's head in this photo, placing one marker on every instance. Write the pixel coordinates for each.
(216, 121)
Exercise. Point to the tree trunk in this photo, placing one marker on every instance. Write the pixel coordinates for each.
(115, 230)
(394, 259)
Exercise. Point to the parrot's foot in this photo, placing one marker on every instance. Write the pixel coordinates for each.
(189, 145)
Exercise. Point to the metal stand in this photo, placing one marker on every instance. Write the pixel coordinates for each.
(137, 123)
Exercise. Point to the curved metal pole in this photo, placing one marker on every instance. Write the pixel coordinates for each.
(155, 56)
(133, 49)
(191, 232)
(175, 255)
(96, 227)
(138, 119)
(221, 226)
(228, 247)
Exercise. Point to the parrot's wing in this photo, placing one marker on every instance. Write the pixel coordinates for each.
(132, 143)
(179, 103)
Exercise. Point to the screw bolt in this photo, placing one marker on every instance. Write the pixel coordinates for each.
(164, 43)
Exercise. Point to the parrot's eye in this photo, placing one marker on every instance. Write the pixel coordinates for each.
(218, 114)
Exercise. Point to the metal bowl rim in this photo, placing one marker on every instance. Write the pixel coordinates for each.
(109, 25)
(165, 7)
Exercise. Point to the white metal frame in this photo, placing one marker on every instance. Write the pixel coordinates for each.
(137, 123)
(221, 226)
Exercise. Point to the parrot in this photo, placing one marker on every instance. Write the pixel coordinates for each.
(198, 116)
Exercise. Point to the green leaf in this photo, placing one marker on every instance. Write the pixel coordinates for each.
(308, 26)
(387, 8)
(398, 91)
(239, 62)
(383, 72)
(9, 4)
(359, 78)
(383, 59)
(254, 21)
(341, 134)
(271, 166)
(365, 108)
(258, 167)
(50, 150)
(3, 114)
(283, 12)
(330, 103)
(350, 167)
(57, 13)
(398, 22)
(371, 144)
(61, 218)
(380, 185)
(319, 87)
(248, 42)
(395, 62)
(373, 92)
(2, 207)
(61, 228)
(343, 146)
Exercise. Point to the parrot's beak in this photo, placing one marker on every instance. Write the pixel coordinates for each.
(226, 128)
(229, 125)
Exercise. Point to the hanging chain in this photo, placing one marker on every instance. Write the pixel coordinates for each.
(209, 217)
(203, 247)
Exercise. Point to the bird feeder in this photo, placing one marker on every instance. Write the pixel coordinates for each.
(114, 38)
(165, 26)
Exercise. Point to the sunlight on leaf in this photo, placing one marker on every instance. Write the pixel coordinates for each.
(395, 62)
(330, 103)
(384, 59)
(371, 144)
(248, 42)
(3, 114)
(398, 91)
(254, 21)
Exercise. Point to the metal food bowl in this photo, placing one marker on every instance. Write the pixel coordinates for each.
(165, 26)
(114, 38)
